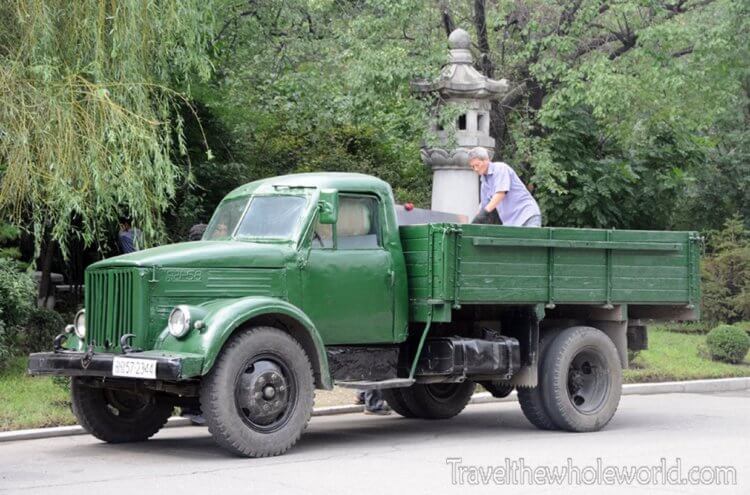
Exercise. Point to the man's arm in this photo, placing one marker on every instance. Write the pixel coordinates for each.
(494, 201)
(485, 210)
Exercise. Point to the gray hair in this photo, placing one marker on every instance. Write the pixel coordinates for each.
(478, 153)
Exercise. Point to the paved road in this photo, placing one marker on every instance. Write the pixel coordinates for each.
(354, 453)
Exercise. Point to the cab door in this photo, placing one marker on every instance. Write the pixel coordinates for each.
(348, 279)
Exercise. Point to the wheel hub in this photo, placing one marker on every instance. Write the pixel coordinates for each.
(587, 381)
(263, 392)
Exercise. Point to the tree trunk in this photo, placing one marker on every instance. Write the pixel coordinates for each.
(480, 24)
(45, 268)
(445, 13)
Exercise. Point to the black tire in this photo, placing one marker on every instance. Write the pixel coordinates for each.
(530, 399)
(396, 401)
(258, 397)
(437, 400)
(118, 416)
(498, 388)
(582, 379)
(532, 407)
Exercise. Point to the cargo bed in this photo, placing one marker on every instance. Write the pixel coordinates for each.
(450, 265)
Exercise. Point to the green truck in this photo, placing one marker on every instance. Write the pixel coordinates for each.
(308, 281)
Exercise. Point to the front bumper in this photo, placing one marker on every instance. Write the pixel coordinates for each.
(169, 366)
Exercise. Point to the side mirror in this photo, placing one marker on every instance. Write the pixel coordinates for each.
(328, 202)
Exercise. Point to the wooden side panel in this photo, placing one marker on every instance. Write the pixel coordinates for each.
(507, 265)
(576, 266)
(647, 277)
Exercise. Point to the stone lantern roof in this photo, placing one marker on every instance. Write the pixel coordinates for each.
(459, 78)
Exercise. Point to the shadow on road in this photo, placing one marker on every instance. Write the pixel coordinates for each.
(332, 433)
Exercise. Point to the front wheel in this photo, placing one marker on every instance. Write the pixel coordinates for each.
(581, 379)
(118, 416)
(437, 400)
(258, 398)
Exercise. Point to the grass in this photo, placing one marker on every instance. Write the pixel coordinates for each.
(675, 356)
(33, 402)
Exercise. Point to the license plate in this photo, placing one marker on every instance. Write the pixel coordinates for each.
(134, 368)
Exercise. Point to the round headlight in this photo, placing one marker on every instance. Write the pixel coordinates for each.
(80, 324)
(179, 321)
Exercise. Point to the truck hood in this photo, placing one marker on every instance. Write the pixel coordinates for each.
(205, 254)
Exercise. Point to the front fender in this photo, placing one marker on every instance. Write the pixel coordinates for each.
(222, 317)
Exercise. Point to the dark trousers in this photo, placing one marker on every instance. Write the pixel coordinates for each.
(373, 399)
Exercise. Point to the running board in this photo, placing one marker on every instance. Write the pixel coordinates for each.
(369, 385)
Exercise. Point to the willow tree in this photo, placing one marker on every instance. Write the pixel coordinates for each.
(88, 120)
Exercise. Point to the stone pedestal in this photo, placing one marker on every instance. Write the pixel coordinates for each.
(455, 191)
(455, 186)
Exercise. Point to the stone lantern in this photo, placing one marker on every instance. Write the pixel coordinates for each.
(455, 187)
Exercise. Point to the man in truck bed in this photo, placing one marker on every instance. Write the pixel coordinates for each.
(502, 192)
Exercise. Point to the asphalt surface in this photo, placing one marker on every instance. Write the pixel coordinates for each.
(489, 448)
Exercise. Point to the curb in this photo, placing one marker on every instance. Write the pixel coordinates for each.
(686, 387)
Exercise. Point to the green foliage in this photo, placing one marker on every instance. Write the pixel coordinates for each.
(688, 327)
(672, 356)
(8, 234)
(17, 291)
(306, 86)
(743, 325)
(89, 124)
(6, 347)
(39, 330)
(723, 181)
(627, 135)
(618, 114)
(586, 180)
(728, 344)
(726, 274)
(24, 328)
(631, 114)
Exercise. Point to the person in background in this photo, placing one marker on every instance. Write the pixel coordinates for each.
(502, 192)
(129, 238)
(196, 232)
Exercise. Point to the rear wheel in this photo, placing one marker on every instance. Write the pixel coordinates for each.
(118, 416)
(258, 398)
(437, 400)
(498, 388)
(530, 399)
(582, 379)
(532, 406)
(396, 401)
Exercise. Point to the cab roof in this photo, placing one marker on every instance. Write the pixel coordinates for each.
(343, 181)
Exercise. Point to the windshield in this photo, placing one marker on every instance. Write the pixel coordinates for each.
(225, 219)
(276, 217)
(271, 217)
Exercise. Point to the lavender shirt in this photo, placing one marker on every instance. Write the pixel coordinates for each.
(518, 205)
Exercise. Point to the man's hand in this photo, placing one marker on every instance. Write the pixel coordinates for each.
(481, 217)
